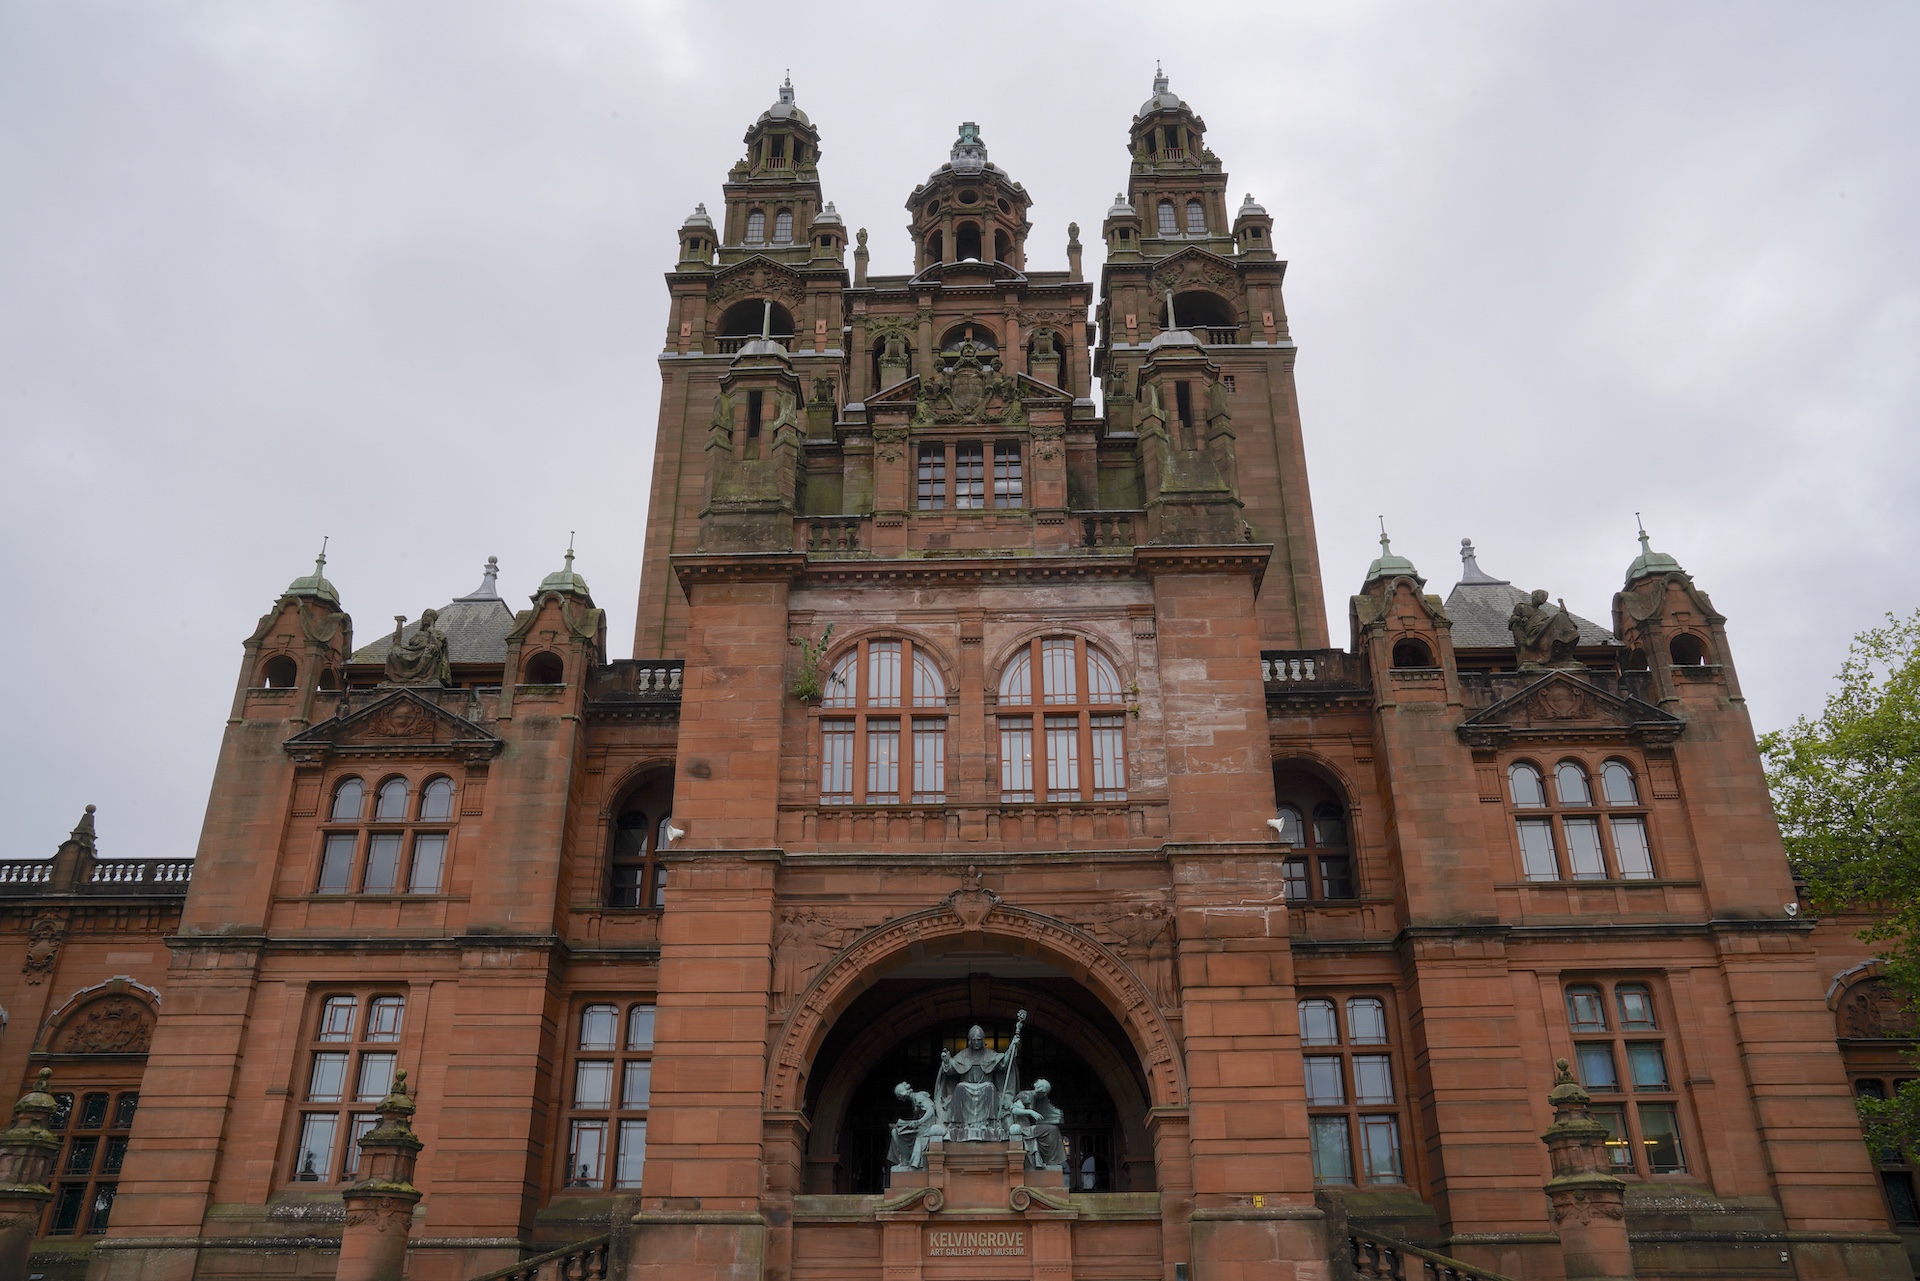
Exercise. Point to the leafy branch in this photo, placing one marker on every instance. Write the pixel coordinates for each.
(806, 682)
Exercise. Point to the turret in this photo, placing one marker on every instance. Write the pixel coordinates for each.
(299, 647)
(1177, 184)
(828, 235)
(773, 192)
(697, 240)
(969, 210)
(1670, 628)
(1253, 230)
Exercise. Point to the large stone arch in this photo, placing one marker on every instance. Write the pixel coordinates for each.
(971, 918)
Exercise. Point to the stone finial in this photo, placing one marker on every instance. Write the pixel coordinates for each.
(381, 1201)
(1586, 1202)
(83, 830)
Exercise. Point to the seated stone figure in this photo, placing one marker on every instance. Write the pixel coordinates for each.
(908, 1149)
(972, 1101)
(421, 658)
(1036, 1121)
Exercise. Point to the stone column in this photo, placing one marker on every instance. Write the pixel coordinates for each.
(27, 1153)
(380, 1205)
(1588, 1203)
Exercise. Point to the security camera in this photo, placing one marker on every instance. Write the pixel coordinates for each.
(674, 833)
(1793, 909)
(1279, 826)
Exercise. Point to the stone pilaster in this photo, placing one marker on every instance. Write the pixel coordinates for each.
(1588, 1203)
(380, 1206)
(27, 1153)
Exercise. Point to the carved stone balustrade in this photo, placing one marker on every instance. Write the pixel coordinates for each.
(1310, 671)
(835, 535)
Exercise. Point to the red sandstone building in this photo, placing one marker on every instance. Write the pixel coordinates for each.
(959, 691)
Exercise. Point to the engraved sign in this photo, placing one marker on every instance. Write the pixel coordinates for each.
(975, 1243)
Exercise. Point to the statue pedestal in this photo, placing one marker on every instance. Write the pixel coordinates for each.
(976, 1210)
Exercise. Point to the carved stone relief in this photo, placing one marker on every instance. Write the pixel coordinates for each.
(110, 1025)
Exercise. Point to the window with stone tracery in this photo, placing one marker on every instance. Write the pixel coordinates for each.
(1071, 744)
(609, 1084)
(1579, 831)
(883, 727)
(352, 1051)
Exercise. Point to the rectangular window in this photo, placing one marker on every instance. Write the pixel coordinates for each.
(586, 1154)
(1295, 871)
(1183, 404)
(376, 1078)
(1332, 1162)
(1901, 1202)
(1619, 1151)
(359, 1125)
(336, 863)
(1007, 483)
(1372, 1078)
(328, 1081)
(1016, 758)
(1596, 1068)
(883, 762)
(1536, 849)
(640, 1028)
(836, 762)
(933, 477)
(315, 1162)
(1380, 1148)
(116, 1156)
(1336, 876)
(102, 1212)
(1648, 1066)
(756, 406)
(929, 760)
(1630, 847)
(593, 1083)
(429, 856)
(970, 475)
(1063, 758)
(383, 863)
(1660, 1136)
(1325, 1089)
(1583, 849)
(1109, 758)
(66, 1212)
(636, 1085)
(633, 1154)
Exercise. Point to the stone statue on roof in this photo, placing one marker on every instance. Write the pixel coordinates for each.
(1543, 637)
(419, 659)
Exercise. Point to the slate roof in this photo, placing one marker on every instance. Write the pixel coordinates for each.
(476, 627)
(1480, 604)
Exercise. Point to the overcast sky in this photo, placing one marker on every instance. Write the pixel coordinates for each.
(391, 272)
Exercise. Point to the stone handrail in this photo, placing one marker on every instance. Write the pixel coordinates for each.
(1306, 670)
(1381, 1258)
(79, 873)
(732, 343)
(142, 872)
(30, 872)
(581, 1261)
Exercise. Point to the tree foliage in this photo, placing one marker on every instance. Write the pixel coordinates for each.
(1846, 786)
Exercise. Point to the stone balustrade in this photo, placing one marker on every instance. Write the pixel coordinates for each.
(834, 535)
(1383, 1259)
(1309, 670)
(1107, 529)
(92, 876)
(581, 1261)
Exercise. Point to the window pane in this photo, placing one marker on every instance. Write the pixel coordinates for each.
(586, 1154)
(102, 1213)
(640, 1028)
(1523, 783)
(1660, 1136)
(933, 477)
(929, 760)
(633, 1154)
(383, 1018)
(883, 760)
(1196, 218)
(1618, 780)
(836, 762)
(429, 856)
(392, 801)
(1109, 758)
(659, 898)
(1058, 684)
(1317, 1026)
(1367, 1021)
(1583, 849)
(336, 863)
(1063, 758)
(1585, 1011)
(1016, 758)
(1332, 1163)
(1295, 872)
(1630, 847)
(1169, 222)
(1536, 849)
(328, 1081)
(597, 1027)
(436, 803)
(839, 690)
(1596, 1067)
(1103, 681)
(376, 1077)
(1619, 1151)
(1329, 826)
(383, 862)
(883, 674)
(336, 1019)
(1372, 1078)
(80, 1155)
(1901, 1202)
(62, 1112)
(66, 1211)
(93, 1112)
(123, 1109)
(593, 1084)
(359, 1125)
(1648, 1065)
(1008, 485)
(970, 475)
(1325, 1089)
(783, 226)
(1016, 688)
(1293, 828)
(1571, 782)
(116, 1155)
(1380, 1148)
(929, 687)
(314, 1163)
(636, 1084)
(349, 800)
(1336, 876)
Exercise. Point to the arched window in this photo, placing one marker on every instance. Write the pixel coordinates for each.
(608, 1089)
(436, 800)
(1074, 725)
(936, 248)
(743, 320)
(279, 672)
(1687, 650)
(1572, 839)
(756, 226)
(1293, 828)
(1002, 247)
(783, 226)
(393, 852)
(391, 801)
(890, 744)
(966, 242)
(1411, 651)
(636, 877)
(1169, 219)
(544, 668)
(102, 1040)
(1320, 864)
(349, 801)
(1196, 219)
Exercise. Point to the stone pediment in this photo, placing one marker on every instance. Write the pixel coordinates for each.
(757, 277)
(1563, 705)
(402, 722)
(1195, 268)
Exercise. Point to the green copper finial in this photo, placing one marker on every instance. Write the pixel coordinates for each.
(1650, 563)
(563, 580)
(316, 584)
(1390, 565)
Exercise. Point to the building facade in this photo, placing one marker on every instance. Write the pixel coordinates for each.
(965, 700)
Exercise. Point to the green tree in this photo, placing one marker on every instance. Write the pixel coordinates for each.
(1846, 786)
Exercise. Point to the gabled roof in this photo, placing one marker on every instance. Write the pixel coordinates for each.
(1566, 705)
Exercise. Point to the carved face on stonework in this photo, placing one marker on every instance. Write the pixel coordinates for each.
(976, 1038)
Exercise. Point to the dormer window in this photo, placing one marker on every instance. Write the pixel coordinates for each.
(756, 226)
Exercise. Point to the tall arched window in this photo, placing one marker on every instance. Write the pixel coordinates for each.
(635, 875)
(883, 732)
(1320, 864)
(1081, 718)
(966, 242)
(756, 226)
(1196, 218)
(783, 226)
(1169, 219)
